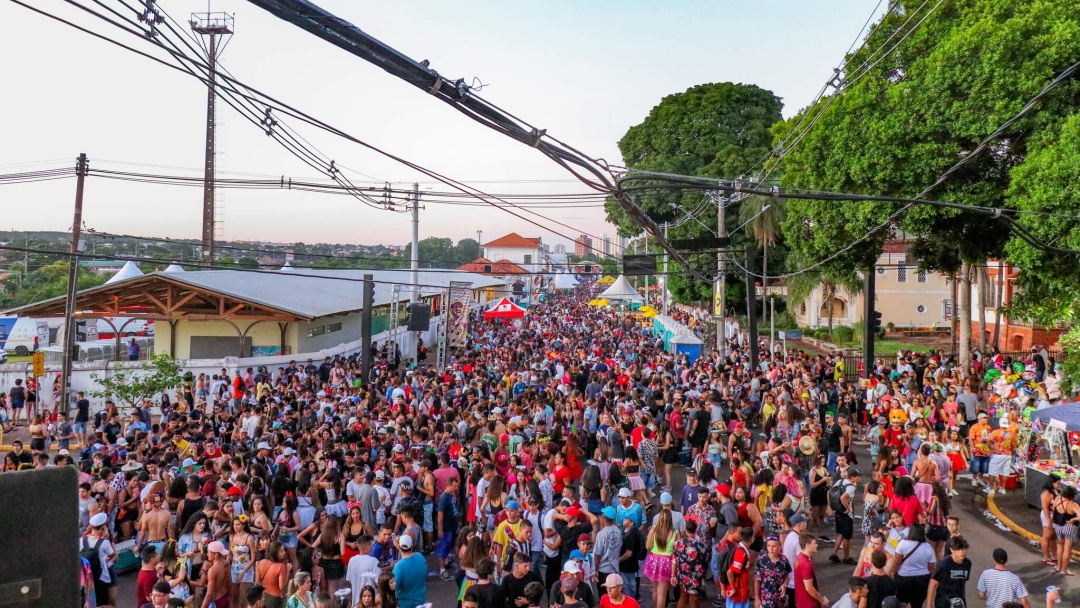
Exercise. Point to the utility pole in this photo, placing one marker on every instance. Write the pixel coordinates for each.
(73, 284)
(414, 276)
(664, 293)
(479, 242)
(721, 283)
(365, 328)
(216, 30)
(751, 305)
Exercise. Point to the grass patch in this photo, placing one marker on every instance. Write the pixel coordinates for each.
(885, 347)
(18, 359)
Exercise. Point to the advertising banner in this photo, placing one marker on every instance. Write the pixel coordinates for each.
(457, 323)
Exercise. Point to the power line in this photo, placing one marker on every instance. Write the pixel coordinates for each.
(259, 97)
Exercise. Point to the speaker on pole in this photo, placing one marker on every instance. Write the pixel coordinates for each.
(419, 317)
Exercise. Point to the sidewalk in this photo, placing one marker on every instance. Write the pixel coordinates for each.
(1019, 517)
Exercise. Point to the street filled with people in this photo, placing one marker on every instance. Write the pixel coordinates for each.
(568, 461)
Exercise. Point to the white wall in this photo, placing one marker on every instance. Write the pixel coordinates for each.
(517, 256)
(82, 373)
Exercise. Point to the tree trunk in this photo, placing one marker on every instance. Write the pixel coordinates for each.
(984, 297)
(963, 310)
(997, 303)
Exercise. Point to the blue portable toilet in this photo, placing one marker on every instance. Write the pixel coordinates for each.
(686, 344)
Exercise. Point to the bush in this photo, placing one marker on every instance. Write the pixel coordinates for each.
(786, 321)
(843, 333)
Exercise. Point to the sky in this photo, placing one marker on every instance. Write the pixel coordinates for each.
(584, 70)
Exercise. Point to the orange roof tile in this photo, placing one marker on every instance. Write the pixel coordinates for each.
(514, 240)
(498, 269)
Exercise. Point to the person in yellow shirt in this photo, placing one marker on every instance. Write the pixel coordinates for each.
(979, 437)
(506, 532)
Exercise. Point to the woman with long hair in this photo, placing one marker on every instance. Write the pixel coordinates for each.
(1066, 514)
(387, 586)
(905, 501)
(957, 451)
(668, 445)
(658, 565)
(366, 598)
(470, 554)
(191, 546)
(260, 515)
(242, 565)
(301, 594)
(273, 574)
(329, 546)
(287, 524)
(820, 482)
(591, 488)
(351, 531)
(493, 502)
(937, 515)
(1050, 491)
(173, 569)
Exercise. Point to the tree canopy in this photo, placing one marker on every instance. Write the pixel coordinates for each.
(711, 130)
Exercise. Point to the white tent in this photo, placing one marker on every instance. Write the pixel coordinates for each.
(621, 289)
(565, 280)
(288, 267)
(129, 271)
(174, 268)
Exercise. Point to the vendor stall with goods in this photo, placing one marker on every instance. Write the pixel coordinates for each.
(1050, 444)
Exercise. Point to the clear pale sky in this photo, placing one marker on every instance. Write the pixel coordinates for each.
(584, 70)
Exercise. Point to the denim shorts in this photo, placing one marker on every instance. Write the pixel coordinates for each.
(980, 465)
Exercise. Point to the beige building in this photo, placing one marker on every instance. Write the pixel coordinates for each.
(906, 297)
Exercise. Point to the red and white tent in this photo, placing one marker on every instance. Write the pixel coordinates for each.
(505, 309)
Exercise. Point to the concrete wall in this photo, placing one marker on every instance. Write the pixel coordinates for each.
(350, 330)
(263, 333)
(82, 378)
(517, 256)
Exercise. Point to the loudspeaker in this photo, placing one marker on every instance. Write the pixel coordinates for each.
(39, 531)
(419, 316)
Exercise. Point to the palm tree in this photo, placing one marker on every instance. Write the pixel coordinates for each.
(832, 283)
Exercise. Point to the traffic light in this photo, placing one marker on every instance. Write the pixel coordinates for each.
(875, 324)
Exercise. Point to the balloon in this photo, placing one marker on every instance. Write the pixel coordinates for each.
(991, 375)
(1018, 367)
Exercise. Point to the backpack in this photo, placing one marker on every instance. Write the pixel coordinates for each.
(726, 556)
(90, 554)
(641, 552)
(835, 493)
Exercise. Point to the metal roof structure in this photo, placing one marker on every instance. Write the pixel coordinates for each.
(302, 294)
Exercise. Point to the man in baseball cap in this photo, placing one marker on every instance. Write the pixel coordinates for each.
(629, 509)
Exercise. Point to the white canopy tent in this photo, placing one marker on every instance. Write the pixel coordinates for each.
(621, 289)
(129, 271)
(174, 268)
(565, 280)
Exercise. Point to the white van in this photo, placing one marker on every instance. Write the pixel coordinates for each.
(18, 335)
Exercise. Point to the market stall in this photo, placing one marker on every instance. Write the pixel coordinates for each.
(1047, 448)
(506, 311)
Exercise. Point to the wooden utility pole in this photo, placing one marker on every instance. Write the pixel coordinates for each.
(81, 165)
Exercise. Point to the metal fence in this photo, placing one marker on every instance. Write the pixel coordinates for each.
(853, 362)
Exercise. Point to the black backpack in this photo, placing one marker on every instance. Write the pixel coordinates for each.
(641, 552)
(835, 493)
(725, 557)
(91, 555)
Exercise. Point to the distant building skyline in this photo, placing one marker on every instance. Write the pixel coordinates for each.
(583, 245)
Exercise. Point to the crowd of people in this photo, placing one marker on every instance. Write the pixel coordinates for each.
(569, 461)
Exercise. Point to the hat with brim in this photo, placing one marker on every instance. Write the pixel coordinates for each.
(806, 445)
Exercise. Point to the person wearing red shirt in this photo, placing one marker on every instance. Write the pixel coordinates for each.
(738, 574)
(147, 575)
(615, 598)
(905, 501)
(806, 587)
(560, 473)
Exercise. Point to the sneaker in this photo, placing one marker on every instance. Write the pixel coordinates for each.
(1001, 490)
(974, 483)
(848, 561)
(988, 490)
(834, 559)
(953, 493)
(825, 539)
(719, 602)
(446, 576)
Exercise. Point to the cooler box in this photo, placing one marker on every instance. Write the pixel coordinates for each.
(126, 560)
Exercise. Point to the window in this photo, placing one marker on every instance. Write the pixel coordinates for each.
(323, 329)
(922, 276)
(528, 259)
(946, 309)
(487, 267)
(901, 273)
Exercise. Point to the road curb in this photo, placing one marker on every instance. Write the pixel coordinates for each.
(1013, 526)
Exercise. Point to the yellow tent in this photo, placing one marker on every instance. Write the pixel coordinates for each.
(647, 309)
(608, 280)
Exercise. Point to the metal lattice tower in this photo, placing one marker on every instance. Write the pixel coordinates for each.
(215, 31)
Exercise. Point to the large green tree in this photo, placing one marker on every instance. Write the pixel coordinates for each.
(711, 130)
(904, 117)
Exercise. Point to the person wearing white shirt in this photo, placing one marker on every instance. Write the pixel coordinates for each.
(791, 548)
(363, 568)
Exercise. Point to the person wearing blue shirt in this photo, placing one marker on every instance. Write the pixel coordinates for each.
(590, 419)
(629, 509)
(410, 574)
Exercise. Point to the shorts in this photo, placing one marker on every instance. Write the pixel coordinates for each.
(980, 465)
(758, 545)
(429, 519)
(845, 526)
(1066, 533)
(730, 603)
(937, 533)
(16, 405)
(1001, 464)
(290, 540)
(79, 427)
(444, 545)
